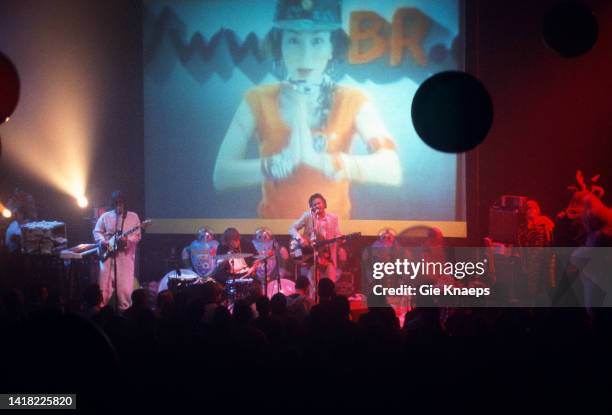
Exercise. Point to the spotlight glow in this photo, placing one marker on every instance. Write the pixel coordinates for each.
(82, 202)
(57, 145)
(6, 213)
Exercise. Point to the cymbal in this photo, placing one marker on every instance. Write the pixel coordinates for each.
(232, 256)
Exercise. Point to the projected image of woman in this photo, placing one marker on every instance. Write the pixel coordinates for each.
(304, 125)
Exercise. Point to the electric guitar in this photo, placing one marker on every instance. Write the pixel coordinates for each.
(105, 251)
(304, 253)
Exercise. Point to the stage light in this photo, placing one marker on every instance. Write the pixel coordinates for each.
(7, 213)
(82, 201)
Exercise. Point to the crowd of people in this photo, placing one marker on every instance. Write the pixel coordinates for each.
(187, 349)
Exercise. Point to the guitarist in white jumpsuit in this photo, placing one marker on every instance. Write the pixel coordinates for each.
(110, 223)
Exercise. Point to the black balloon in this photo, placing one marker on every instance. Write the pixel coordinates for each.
(570, 29)
(9, 88)
(452, 112)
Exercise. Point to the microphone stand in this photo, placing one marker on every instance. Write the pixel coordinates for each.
(175, 262)
(114, 265)
(315, 253)
(114, 258)
(175, 283)
(276, 257)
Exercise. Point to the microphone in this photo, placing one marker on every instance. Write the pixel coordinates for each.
(300, 86)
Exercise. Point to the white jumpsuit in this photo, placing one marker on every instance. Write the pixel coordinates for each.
(106, 226)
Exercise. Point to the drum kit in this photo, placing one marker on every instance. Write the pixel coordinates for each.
(178, 279)
(237, 287)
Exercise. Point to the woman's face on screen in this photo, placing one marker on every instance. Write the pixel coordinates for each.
(306, 54)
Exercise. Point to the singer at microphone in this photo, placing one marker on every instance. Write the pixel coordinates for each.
(317, 224)
(117, 271)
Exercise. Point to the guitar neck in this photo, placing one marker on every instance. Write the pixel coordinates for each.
(130, 231)
(338, 238)
(328, 241)
(142, 225)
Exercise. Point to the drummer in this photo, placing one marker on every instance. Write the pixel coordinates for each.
(200, 254)
(268, 250)
(386, 239)
(240, 266)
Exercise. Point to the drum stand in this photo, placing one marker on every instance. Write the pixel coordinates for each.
(278, 279)
(265, 277)
(278, 282)
(278, 264)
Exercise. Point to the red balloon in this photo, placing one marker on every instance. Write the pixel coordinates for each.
(9, 88)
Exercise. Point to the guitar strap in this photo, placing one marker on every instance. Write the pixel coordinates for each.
(121, 228)
(122, 221)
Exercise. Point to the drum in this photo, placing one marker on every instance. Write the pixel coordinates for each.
(238, 288)
(287, 287)
(172, 281)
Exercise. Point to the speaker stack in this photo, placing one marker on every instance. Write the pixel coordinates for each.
(504, 219)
